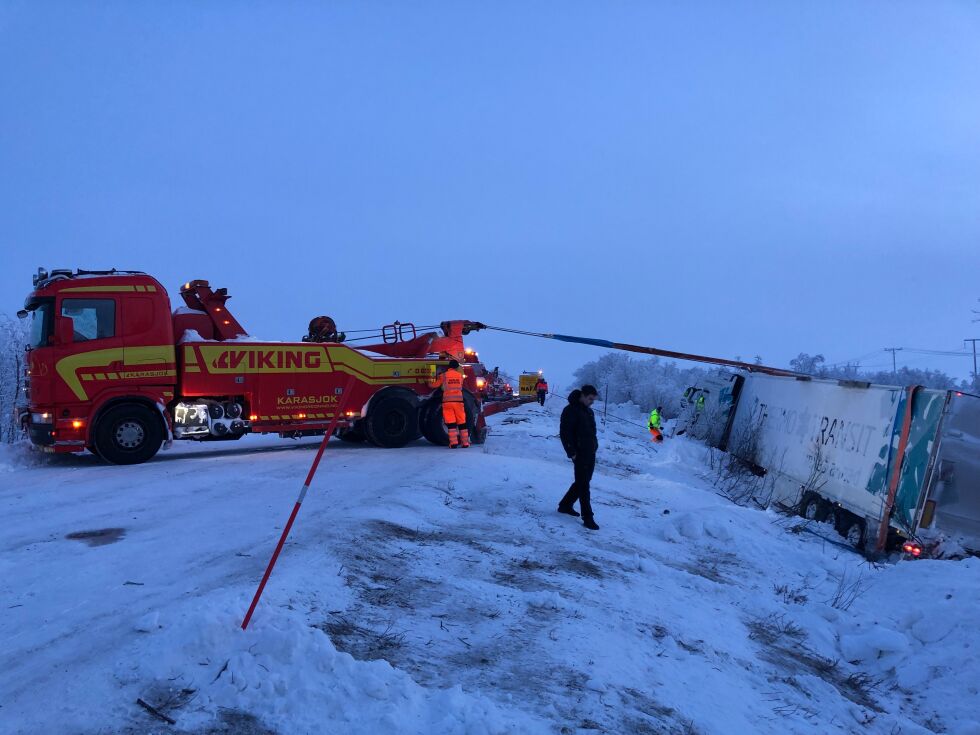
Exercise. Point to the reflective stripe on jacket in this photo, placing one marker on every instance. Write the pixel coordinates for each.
(451, 383)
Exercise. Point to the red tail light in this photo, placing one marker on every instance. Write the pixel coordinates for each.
(912, 548)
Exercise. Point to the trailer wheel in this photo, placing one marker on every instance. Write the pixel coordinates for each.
(852, 529)
(128, 434)
(810, 507)
(826, 513)
(392, 421)
(434, 428)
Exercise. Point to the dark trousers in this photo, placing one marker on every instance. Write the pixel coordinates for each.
(541, 396)
(584, 467)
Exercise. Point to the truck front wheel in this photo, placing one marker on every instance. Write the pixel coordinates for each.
(392, 421)
(128, 434)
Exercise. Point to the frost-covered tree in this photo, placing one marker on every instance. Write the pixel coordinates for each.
(807, 364)
(646, 382)
(13, 338)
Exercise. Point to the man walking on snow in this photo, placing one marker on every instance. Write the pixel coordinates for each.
(542, 389)
(578, 437)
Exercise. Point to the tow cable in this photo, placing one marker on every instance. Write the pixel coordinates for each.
(608, 344)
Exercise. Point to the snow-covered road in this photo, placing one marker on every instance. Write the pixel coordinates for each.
(429, 591)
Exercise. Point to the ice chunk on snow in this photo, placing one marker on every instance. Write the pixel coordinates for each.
(690, 526)
(670, 533)
(874, 644)
(934, 628)
(545, 598)
(718, 529)
(148, 623)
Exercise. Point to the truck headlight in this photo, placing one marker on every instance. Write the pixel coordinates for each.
(41, 418)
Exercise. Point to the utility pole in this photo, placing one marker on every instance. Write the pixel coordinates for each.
(974, 341)
(605, 405)
(893, 350)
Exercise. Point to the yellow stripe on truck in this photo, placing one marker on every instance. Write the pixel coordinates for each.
(251, 359)
(160, 356)
(99, 289)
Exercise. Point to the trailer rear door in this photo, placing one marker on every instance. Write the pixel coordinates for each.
(956, 481)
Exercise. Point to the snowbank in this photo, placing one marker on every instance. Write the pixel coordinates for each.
(426, 591)
(289, 675)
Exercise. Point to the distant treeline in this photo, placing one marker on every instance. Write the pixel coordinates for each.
(651, 382)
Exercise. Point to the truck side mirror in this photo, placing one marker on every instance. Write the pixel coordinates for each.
(64, 330)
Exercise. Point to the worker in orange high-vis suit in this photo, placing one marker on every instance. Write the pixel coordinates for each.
(453, 408)
(541, 387)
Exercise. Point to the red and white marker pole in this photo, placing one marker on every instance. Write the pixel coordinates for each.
(299, 501)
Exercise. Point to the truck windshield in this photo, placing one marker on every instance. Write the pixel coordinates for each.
(42, 321)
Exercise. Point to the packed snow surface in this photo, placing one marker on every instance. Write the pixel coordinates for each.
(425, 590)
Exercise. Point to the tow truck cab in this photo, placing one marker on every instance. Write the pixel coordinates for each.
(96, 339)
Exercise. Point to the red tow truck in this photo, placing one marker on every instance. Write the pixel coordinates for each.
(112, 369)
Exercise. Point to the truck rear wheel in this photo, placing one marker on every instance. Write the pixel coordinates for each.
(392, 421)
(434, 428)
(128, 434)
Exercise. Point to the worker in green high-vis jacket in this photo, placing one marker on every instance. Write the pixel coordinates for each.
(656, 433)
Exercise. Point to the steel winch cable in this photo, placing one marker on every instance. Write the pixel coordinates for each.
(624, 346)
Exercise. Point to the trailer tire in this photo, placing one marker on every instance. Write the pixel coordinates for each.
(434, 428)
(810, 507)
(826, 513)
(852, 529)
(392, 421)
(128, 434)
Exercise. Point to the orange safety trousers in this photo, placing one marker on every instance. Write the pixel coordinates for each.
(454, 414)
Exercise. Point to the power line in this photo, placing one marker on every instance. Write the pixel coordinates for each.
(855, 360)
(943, 353)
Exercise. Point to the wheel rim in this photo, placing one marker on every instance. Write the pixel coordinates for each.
(810, 512)
(129, 434)
(394, 423)
(854, 535)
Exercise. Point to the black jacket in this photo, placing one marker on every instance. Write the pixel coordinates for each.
(578, 435)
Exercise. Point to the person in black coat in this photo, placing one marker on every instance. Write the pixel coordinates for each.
(578, 437)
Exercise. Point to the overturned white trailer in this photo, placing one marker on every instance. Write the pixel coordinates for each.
(884, 464)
